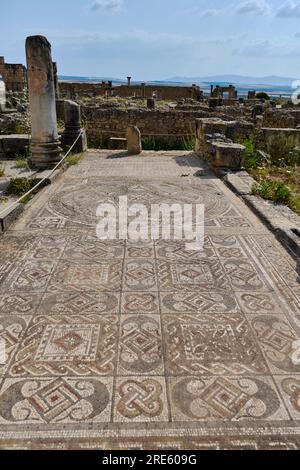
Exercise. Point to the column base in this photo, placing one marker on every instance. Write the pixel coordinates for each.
(68, 139)
(45, 155)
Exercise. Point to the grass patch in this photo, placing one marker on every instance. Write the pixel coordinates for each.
(275, 189)
(60, 125)
(73, 159)
(21, 163)
(283, 152)
(3, 199)
(2, 171)
(18, 187)
(98, 143)
(277, 176)
(156, 144)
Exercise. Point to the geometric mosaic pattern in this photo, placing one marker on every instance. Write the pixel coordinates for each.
(146, 345)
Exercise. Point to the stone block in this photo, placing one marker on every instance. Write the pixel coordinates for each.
(134, 140)
(15, 144)
(228, 155)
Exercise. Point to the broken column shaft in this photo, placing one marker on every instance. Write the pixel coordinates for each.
(44, 136)
(72, 118)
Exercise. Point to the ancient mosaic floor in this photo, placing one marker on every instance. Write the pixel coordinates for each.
(131, 345)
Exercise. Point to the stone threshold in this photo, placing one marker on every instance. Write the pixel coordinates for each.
(284, 223)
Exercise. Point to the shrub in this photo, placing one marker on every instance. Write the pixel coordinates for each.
(273, 191)
(3, 199)
(282, 151)
(73, 159)
(262, 96)
(19, 186)
(98, 142)
(156, 144)
(2, 170)
(21, 162)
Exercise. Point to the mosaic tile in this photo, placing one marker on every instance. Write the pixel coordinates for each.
(276, 338)
(197, 302)
(200, 344)
(140, 346)
(140, 275)
(76, 302)
(105, 276)
(203, 275)
(217, 399)
(140, 303)
(82, 345)
(141, 400)
(56, 401)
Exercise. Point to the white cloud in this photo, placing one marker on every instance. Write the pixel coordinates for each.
(253, 7)
(107, 6)
(289, 10)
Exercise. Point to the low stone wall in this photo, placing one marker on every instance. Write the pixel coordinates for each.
(268, 134)
(12, 145)
(214, 142)
(13, 75)
(162, 92)
(281, 119)
(70, 89)
(152, 123)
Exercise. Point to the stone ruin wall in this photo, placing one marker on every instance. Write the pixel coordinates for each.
(68, 89)
(13, 75)
(114, 122)
(164, 125)
(164, 92)
(281, 119)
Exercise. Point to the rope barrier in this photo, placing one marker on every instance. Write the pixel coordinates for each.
(43, 179)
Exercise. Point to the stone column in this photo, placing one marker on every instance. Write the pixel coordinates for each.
(73, 128)
(2, 95)
(128, 81)
(143, 87)
(44, 137)
(134, 141)
(56, 86)
(151, 103)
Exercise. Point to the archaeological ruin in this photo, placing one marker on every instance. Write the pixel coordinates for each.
(14, 75)
(120, 342)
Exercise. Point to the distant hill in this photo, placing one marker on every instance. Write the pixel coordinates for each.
(272, 80)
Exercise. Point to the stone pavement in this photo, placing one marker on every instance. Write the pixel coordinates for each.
(121, 345)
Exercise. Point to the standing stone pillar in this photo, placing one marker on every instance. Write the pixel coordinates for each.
(44, 137)
(134, 141)
(128, 81)
(56, 85)
(2, 95)
(151, 103)
(72, 118)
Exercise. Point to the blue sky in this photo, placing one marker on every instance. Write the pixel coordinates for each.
(158, 39)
